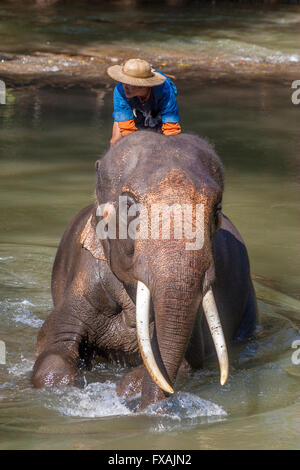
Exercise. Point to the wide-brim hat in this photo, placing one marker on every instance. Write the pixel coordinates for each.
(136, 72)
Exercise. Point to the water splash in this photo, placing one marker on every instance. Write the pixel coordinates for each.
(98, 400)
(184, 411)
(185, 405)
(95, 400)
(21, 368)
(21, 312)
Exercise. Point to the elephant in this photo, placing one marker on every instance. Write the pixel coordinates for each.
(148, 302)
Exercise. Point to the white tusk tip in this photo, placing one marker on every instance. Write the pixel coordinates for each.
(223, 379)
(170, 390)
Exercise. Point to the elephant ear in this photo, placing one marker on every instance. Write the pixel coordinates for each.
(90, 241)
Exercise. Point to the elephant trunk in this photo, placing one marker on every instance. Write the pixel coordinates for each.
(176, 295)
(176, 303)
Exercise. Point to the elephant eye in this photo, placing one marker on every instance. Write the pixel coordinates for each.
(218, 207)
(130, 200)
(128, 247)
(126, 203)
(218, 215)
(127, 243)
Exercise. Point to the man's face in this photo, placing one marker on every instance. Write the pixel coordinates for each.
(132, 91)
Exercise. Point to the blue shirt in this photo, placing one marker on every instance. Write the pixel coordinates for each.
(162, 104)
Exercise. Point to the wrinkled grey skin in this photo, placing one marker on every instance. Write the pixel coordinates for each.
(94, 311)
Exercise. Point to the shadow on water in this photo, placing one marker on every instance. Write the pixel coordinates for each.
(50, 139)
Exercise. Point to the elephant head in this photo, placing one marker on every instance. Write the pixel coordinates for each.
(171, 275)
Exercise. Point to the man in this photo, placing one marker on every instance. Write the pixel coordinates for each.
(143, 99)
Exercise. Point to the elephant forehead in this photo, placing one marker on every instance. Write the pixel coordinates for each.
(175, 186)
(176, 181)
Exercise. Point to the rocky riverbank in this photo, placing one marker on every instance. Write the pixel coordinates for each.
(42, 68)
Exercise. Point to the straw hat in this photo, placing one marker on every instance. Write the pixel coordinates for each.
(136, 72)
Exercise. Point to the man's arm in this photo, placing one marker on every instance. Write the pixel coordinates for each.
(116, 134)
(169, 109)
(120, 129)
(123, 116)
(171, 128)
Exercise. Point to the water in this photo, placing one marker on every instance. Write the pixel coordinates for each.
(192, 33)
(50, 139)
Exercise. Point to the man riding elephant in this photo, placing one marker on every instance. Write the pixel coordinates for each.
(144, 98)
(150, 302)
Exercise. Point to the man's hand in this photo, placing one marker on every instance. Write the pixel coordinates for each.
(116, 134)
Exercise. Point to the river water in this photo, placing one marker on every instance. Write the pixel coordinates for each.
(50, 139)
(193, 31)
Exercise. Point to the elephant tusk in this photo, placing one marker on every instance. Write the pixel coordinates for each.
(143, 336)
(215, 327)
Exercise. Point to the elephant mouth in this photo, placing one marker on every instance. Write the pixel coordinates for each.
(143, 298)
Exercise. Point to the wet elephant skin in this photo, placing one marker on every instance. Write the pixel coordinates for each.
(94, 282)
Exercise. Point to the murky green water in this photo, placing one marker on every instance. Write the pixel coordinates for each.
(50, 139)
(49, 142)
